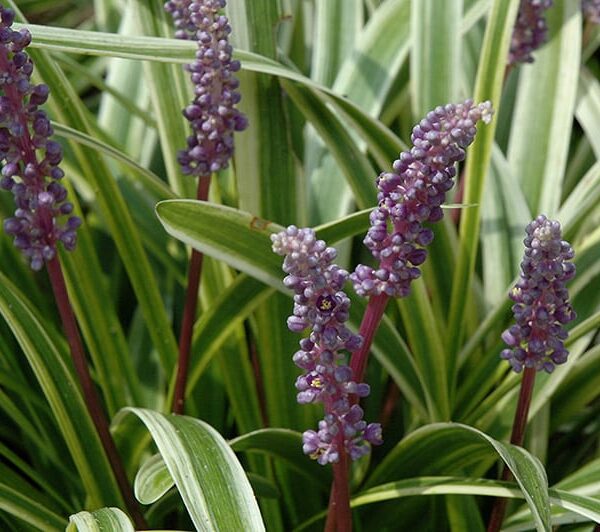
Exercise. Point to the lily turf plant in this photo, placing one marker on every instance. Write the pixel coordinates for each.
(157, 161)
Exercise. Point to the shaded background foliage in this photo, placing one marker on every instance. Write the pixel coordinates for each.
(331, 89)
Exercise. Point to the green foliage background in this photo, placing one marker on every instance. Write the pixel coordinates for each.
(331, 89)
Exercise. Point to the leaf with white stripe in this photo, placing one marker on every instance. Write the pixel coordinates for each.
(212, 483)
(111, 519)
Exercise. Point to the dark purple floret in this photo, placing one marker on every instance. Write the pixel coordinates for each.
(541, 299)
(321, 304)
(591, 10)
(530, 31)
(29, 158)
(212, 114)
(412, 195)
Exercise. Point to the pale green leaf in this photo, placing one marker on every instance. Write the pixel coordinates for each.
(208, 476)
(101, 520)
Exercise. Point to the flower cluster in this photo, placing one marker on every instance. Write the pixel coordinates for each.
(28, 155)
(591, 10)
(212, 114)
(412, 194)
(321, 304)
(530, 31)
(541, 300)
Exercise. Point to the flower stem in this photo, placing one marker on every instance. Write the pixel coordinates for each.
(517, 436)
(189, 312)
(91, 398)
(339, 515)
(368, 327)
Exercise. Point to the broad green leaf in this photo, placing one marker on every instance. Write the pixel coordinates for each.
(447, 447)
(124, 100)
(425, 338)
(187, 221)
(170, 90)
(208, 476)
(112, 207)
(581, 203)
(366, 77)
(111, 519)
(435, 53)
(251, 253)
(369, 71)
(36, 477)
(356, 168)
(220, 321)
(152, 480)
(587, 110)
(568, 508)
(503, 219)
(490, 75)
(234, 358)
(540, 134)
(27, 509)
(263, 487)
(149, 180)
(338, 23)
(56, 378)
(266, 174)
(170, 50)
(577, 390)
(286, 445)
(586, 507)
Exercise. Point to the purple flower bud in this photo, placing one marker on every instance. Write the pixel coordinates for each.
(25, 130)
(541, 300)
(411, 196)
(591, 10)
(212, 115)
(320, 303)
(530, 31)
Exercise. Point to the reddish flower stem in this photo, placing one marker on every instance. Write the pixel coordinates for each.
(368, 328)
(189, 312)
(339, 516)
(516, 438)
(91, 398)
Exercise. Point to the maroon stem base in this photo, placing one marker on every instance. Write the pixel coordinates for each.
(91, 398)
(517, 436)
(189, 313)
(339, 515)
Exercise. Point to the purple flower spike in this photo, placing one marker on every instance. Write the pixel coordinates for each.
(591, 10)
(413, 194)
(530, 31)
(29, 158)
(212, 114)
(321, 304)
(542, 305)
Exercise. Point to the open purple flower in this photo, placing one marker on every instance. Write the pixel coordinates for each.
(541, 298)
(321, 304)
(29, 157)
(412, 195)
(212, 114)
(530, 31)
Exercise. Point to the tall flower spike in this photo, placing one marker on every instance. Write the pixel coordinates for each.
(530, 31)
(212, 114)
(413, 194)
(591, 10)
(541, 299)
(29, 158)
(321, 304)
